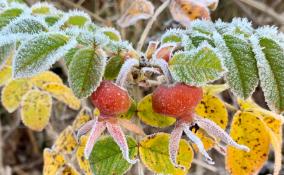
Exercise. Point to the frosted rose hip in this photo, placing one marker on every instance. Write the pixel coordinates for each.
(178, 100)
(110, 99)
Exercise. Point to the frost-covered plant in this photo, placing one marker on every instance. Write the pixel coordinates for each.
(33, 38)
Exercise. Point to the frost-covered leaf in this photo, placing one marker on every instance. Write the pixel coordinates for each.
(24, 26)
(36, 109)
(44, 78)
(173, 36)
(13, 93)
(249, 130)
(204, 27)
(5, 75)
(106, 151)
(270, 63)
(66, 141)
(73, 18)
(148, 116)
(52, 19)
(111, 33)
(239, 59)
(196, 67)
(113, 67)
(214, 109)
(42, 8)
(5, 51)
(82, 161)
(154, 153)
(138, 10)
(82, 117)
(68, 57)
(185, 11)
(52, 161)
(86, 71)
(62, 93)
(241, 26)
(39, 53)
(8, 15)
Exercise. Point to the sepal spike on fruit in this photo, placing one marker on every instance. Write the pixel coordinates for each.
(85, 128)
(119, 137)
(198, 143)
(97, 130)
(216, 131)
(174, 145)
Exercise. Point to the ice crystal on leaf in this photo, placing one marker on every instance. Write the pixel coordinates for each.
(40, 53)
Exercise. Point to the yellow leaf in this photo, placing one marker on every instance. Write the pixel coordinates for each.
(148, 116)
(36, 109)
(83, 116)
(13, 93)
(214, 88)
(63, 93)
(45, 77)
(66, 141)
(154, 153)
(5, 75)
(214, 109)
(83, 163)
(52, 161)
(247, 129)
(273, 124)
(68, 170)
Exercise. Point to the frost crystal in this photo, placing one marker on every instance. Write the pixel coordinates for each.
(125, 70)
(34, 46)
(203, 26)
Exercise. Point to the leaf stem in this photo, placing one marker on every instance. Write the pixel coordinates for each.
(150, 23)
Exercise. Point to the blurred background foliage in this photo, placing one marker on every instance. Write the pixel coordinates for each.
(21, 149)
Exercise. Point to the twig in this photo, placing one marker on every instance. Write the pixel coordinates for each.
(72, 4)
(264, 8)
(230, 107)
(81, 2)
(150, 23)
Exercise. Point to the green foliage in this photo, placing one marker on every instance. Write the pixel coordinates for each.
(38, 54)
(106, 157)
(86, 71)
(196, 68)
(113, 67)
(8, 15)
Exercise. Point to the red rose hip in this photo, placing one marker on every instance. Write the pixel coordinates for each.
(110, 99)
(178, 100)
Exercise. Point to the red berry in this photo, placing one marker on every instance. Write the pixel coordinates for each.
(110, 99)
(178, 100)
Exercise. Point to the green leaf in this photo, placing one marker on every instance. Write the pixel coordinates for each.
(198, 39)
(239, 59)
(8, 15)
(50, 20)
(106, 157)
(196, 67)
(86, 71)
(5, 51)
(111, 33)
(28, 25)
(154, 153)
(113, 67)
(270, 62)
(69, 56)
(148, 116)
(39, 53)
(131, 111)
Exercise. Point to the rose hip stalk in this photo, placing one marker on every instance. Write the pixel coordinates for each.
(111, 100)
(179, 101)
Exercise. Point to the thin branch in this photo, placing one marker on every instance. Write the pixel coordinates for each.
(72, 4)
(264, 8)
(150, 23)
